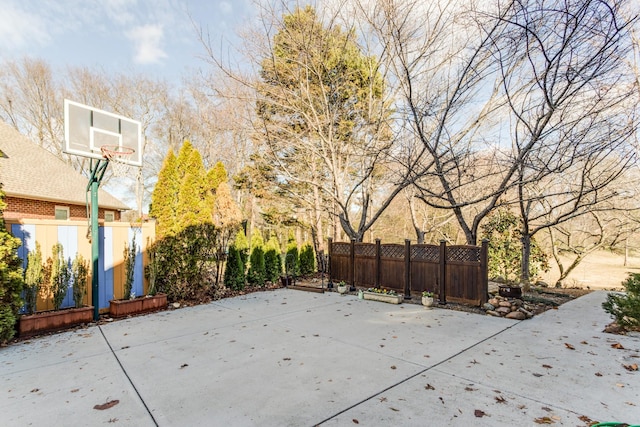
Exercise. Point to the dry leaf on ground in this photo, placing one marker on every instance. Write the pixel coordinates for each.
(107, 405)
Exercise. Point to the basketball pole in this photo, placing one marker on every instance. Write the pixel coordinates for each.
(98, 168)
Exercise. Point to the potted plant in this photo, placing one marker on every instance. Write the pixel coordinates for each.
(384, 295)
(343, 288)
(427, 299)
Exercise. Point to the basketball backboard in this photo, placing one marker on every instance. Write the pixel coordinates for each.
(87, 129)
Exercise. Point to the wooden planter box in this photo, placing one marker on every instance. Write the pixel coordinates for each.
(391, 299)
(146, 304)
(33, 324)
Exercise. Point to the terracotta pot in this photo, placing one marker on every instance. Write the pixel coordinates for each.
(32, 324)
(154, 302)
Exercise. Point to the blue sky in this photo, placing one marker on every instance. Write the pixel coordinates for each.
(146, 36)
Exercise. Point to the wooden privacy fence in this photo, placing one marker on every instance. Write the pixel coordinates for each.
(453, 273)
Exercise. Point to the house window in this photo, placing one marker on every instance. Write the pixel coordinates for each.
(109, 216)
(62, 212)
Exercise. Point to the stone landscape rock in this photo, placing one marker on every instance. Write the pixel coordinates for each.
(512, 308)
(517, 315)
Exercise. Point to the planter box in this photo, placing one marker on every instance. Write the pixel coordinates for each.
(124, 308)
(33, 324)
(154, 302)
(391, 299)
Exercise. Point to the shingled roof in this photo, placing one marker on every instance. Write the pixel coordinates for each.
(29, 171)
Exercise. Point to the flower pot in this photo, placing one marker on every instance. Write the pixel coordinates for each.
(375, 296)
(427, 301)
(49, 321)
(343, 289)
(286, 280)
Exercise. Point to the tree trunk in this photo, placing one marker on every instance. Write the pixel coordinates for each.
(525, 261)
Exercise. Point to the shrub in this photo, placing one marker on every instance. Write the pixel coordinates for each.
(186, 262)
(33, 278)
(59, 276)
(625, 307)
(129, 266)
(272, 262)
(291, 259)
(80, 276)
(11, 281)
(307, 260)
(234, 271)
(242, 246)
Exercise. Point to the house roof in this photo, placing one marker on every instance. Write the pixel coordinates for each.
(29, 171)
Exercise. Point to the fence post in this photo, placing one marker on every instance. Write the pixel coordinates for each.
(330, 250)
(376, 283)
(443, 270)
(484, 270)
(407, 269)
(352, 267)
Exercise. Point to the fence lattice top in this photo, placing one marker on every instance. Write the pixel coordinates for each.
(340, 248)
(365, 249)
(392, 251)
(425, 253)
(462, 253)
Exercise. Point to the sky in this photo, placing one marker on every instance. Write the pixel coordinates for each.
(155, 37)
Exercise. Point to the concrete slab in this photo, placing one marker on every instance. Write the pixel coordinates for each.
(296, 358)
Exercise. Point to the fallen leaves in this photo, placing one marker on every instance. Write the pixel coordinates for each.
(617, 346)
(429, 387)
(109, 404)
(479, 413)
(632, 367)
(184, 365)
(547, 366)
(500, 399)
(569, 346)
(544, 420)
(355, 421)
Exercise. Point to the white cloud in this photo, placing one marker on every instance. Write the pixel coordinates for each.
(147, 40)
(19, 28)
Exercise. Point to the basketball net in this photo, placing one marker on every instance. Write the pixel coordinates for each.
(118, 157)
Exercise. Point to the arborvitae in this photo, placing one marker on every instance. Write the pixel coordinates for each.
(307, 260)
(165, 197)
(80, 276)
(234, 271)
(59, 277)
(291, 258)
(193, 206)
(33, 278)
(216, 175)
(272, 262)
(242, 245)
(11, 281)
(257, 272)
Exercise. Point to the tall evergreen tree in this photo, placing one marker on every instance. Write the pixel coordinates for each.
(192, 207)
(257, 271)
(165, 197)
(234, 271)
(242, 245)
(11, 281)
(272, 261)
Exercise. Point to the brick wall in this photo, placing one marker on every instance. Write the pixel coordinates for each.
(18, 208)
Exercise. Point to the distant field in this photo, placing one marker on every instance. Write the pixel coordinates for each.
(600, 270)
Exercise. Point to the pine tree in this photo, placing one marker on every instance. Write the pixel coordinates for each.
(234, 271)
(165, 197)
(11, 281)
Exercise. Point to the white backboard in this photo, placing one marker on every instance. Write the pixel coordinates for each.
(86, 129)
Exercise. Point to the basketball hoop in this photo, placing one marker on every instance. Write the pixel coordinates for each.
(118, 157)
